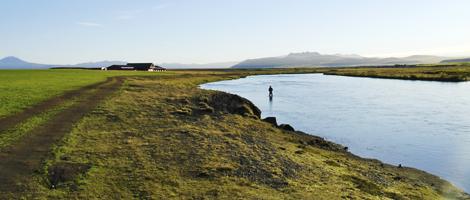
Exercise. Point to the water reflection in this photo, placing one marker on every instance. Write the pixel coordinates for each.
(270, 104)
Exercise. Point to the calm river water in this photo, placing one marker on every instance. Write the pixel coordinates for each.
(420, 124)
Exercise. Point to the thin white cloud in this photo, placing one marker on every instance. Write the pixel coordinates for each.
(125, 17)
(132, 14)
(129, 14)
(159, 7)
(89, 24)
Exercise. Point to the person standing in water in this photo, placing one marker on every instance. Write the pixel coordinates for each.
(270, 92)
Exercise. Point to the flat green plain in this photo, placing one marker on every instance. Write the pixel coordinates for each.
(20, 89)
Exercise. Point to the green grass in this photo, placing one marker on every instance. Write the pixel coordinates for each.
(8, 137)
(23, 88)
(154, 139)
(140, 146)
(453, 73)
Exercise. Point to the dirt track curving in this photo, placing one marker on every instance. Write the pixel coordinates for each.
(18, 162)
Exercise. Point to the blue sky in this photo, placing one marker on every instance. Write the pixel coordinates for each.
(201, 31)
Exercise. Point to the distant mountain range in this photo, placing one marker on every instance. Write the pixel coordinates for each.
(313, 59)
(16, 63)
(96, 64)
(198, 66)
(306, 59)
(456, 60)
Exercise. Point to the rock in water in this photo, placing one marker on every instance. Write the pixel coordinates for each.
(271, 120)
(286, 127)
(234, 104)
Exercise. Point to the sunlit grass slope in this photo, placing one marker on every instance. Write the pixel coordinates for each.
(20, 89)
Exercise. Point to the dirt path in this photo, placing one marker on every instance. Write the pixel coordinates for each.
(11, 121)
(21, 160)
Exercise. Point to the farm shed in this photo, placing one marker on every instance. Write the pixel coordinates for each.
(136, 67)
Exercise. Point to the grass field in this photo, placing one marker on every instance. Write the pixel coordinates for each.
(458, 72)
(23, 88)
(161, 137)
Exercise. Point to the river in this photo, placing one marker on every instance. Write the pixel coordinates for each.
(420, 124)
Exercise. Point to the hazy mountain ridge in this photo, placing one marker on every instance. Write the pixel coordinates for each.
(456, 60)
(308, 59)
(200, 66)
(97, 64)
(12, 62)
(305, 59)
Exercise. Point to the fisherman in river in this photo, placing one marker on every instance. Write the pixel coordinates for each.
(270, 92)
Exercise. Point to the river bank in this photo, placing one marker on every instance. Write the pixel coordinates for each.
(163, 137)
(447, 73)
(409, 123)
